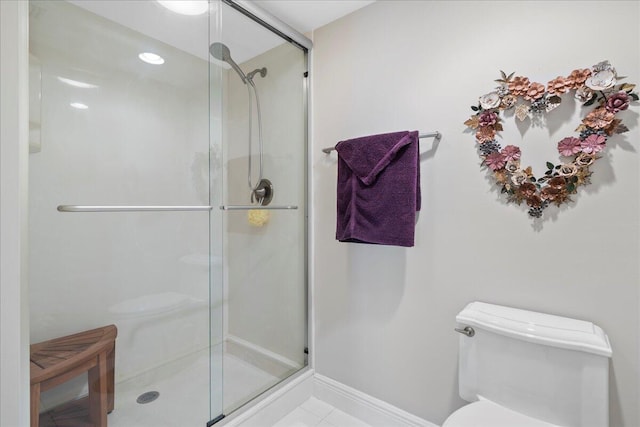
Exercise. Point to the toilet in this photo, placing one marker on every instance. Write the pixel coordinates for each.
(519, 368)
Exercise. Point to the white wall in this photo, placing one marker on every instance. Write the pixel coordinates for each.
(14, 304)
(385, 315)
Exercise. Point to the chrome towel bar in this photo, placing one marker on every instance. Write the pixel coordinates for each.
(437, 135)
(251, 207)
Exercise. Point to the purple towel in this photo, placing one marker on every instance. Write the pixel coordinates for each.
(378, 189)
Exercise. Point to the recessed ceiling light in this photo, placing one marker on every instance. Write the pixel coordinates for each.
(77, 83)
(79, 105)
(186, 7)
(151, 58)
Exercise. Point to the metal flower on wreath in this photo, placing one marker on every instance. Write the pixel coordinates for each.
(597, 86)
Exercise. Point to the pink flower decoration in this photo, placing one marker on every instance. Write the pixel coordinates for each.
(495, 161)
(593, 144)
(569, 146)
(488, 118)
(511, 153)
(617, 102)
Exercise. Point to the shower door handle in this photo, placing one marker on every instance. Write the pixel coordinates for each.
(79, 208)
(89, 208)
(252, 207)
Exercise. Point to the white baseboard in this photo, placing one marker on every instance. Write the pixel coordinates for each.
(372, 411)
(288, 397)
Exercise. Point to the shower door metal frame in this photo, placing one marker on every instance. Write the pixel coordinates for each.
(272, 23)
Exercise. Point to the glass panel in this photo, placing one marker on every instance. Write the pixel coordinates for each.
(110, 129)
(265, 326)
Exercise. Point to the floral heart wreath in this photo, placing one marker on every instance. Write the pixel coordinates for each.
(598, 84)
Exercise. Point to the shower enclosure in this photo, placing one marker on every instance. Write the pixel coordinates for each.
(167, 196)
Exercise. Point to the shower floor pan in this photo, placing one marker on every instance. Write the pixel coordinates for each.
(182, 398)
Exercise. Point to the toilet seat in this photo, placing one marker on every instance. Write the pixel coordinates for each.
(485, 413)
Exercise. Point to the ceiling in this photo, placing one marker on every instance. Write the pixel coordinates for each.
(111, 33)
(245, 39)
(307, 15)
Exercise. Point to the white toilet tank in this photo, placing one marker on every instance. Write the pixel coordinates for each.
(548, 367)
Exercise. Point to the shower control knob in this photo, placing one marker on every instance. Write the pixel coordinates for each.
(263, 192)
(467, 330)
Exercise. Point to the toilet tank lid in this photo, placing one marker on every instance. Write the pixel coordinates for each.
(540, 328)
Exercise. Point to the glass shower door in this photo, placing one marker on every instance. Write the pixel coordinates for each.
(265, 245)
(125, 165)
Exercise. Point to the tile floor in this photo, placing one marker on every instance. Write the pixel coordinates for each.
(316, 413)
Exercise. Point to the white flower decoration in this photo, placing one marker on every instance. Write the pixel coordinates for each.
(600, 66)
(583, 94)
(568, 169)
(519, 178)
(602, 80)
(490, 100)
(513, 166)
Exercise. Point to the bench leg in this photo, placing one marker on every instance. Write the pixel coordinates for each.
(111, 369)
(98, 398)
(35, 405)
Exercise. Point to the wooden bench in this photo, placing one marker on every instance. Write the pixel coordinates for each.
(58, 360)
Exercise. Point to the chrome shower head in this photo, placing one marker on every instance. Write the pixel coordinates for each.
(221, 51)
